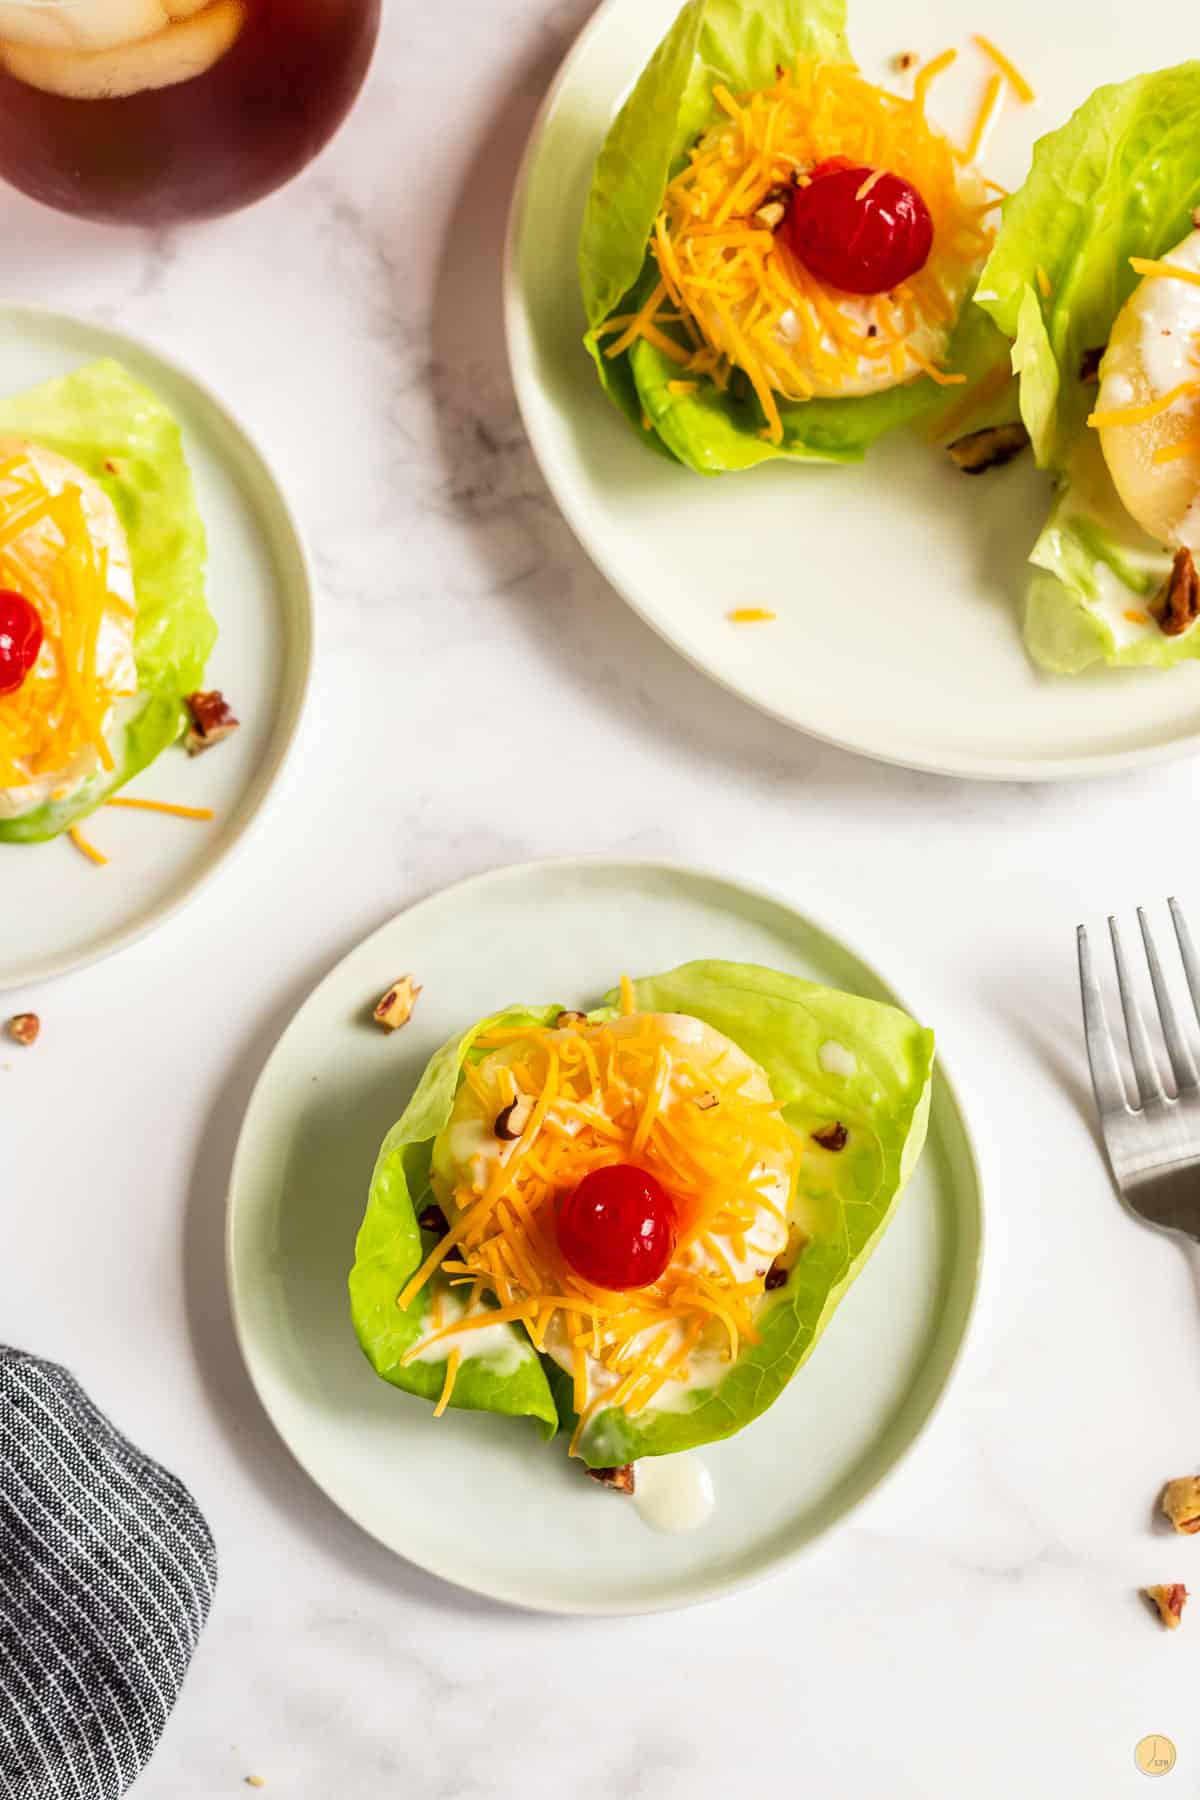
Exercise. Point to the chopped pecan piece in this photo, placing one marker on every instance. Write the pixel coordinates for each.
(1181, 1503)
(904, 60)
(432, 1218)
(990, 448)
(705, 1102)
(570, 1021)
(621, 1480)
(23, 1028)
(776, 1276)
(831, 1137)
(772, 210)
(1170, 1599)
(212, 720)
(1177, 602)
(396, 1007)
(511, 1122)
(1089, 364)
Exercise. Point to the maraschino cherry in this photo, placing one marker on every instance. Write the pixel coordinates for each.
(864, 242)
(20, 639)
(618, 1228)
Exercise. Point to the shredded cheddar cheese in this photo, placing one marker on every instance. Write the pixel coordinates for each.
(203, 813)
(985, 118)
(1150, 409)
(61, 548)
(1188, 446)
(629, 1092)
(1045, 289)
(1008, 69)
(452, 1362)
(87, 849)
(731, 296)
(750, 615)
(1148, 265)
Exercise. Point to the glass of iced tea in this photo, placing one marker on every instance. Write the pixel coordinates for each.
(148, 112)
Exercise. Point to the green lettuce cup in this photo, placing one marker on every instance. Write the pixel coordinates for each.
(722, 346)
(121, 436)
(466, 1289)
(1118, 184)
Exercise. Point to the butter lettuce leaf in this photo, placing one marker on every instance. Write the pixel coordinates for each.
(391, 1247)
(715, 433)
(740, 45)
(1096, 575)
(118, 432)
(829, 1057)
(1121, 178)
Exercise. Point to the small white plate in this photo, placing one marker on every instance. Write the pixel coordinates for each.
(898, 585)
(482, 1501)
(58, 911)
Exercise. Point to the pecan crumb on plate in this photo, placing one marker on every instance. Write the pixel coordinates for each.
(23, 1028)
(212, 721)
(622, 1480)
(1177, 602)
(1170, 1598)
(396, 1007)
(990, 448)
(1181, 1503)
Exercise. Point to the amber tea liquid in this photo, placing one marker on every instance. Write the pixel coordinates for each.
(223, 103)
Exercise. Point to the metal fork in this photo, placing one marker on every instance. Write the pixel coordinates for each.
(1153, 1147)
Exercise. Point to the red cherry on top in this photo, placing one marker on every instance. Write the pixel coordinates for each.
(617, 1229)
(20, 639)
(862, 245)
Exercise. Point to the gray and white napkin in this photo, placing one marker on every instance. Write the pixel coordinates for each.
(107, 1570)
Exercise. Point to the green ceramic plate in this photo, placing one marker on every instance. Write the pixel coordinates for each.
(56, 910)
(898, 585)
(481, 1500)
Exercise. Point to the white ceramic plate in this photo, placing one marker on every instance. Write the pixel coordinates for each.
(481, 1500)
(58, 911)
(898, 584)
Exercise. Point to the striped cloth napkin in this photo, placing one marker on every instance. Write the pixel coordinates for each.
(107, 1571)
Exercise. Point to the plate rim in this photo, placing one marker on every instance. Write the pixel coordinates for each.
(699, 1590)
(280, 750)
(518, 339)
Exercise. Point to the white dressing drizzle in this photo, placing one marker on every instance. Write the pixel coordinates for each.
(673, 1493)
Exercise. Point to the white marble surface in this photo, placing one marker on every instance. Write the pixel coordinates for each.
(975, 1630)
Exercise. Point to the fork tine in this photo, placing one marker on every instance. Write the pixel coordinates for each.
(1145, 1069)
(1187, 951)
(1102, 1058)
(1182, 1066)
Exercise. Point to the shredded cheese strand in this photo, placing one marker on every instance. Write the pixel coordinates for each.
(989, 111)
(1008, 69)
(452, 1362)
(203, 813)
(1138, 415)
(1147, 265)
(89, 850)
